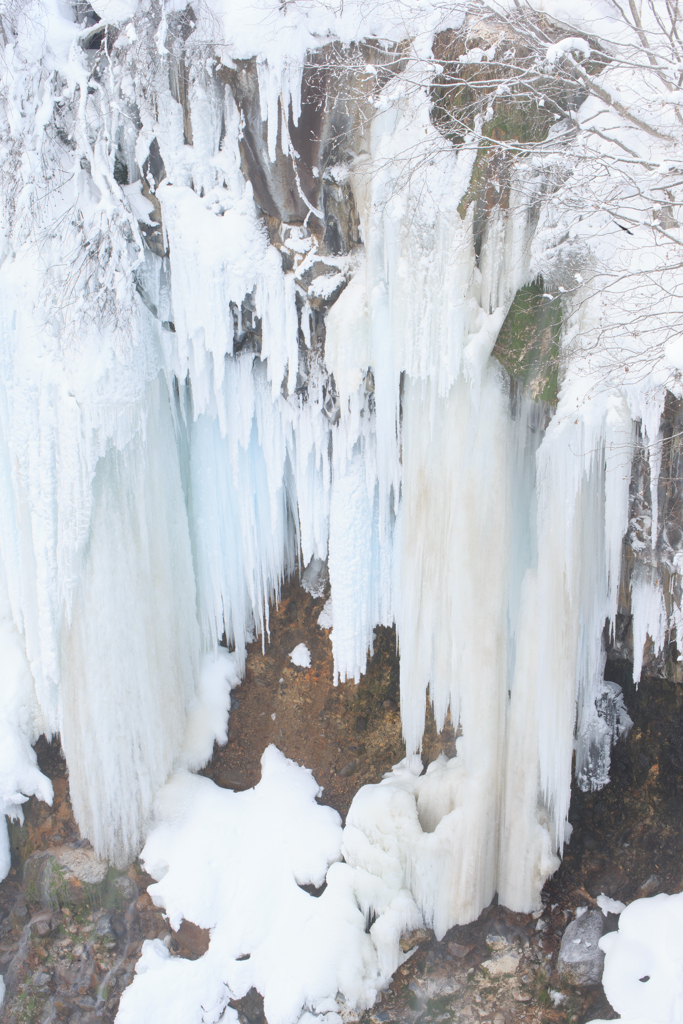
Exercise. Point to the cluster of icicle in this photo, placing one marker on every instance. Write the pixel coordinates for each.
(157, 488)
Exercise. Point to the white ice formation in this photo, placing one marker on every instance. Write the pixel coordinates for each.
(180, 430)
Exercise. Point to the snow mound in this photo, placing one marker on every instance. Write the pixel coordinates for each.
(235, 863)
(115, 10)
(610, 906)
(643, 979)
(301, 656)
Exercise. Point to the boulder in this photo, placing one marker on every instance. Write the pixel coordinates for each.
(581, 960)
(67, 876)
(192, 938)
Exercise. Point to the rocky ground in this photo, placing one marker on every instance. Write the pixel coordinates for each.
(71, 927)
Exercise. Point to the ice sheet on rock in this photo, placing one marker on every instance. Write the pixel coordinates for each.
(649, 619)
(578, 485)
(299, 951)
(207, 719)
(315, 577)
(642, 976)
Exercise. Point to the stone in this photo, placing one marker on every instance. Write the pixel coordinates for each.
(64, 876)
(192, 938)
(581, 960)
(415, 938)
(436, 986)
(119, 926)
(82, 863)
(250, 1008)
(42, 923)
(103, 925)
(458, 951)
(348, 769)
(506, 964)
(232, 778)
(19, 913)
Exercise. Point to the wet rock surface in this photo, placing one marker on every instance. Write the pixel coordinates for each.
(68, 950)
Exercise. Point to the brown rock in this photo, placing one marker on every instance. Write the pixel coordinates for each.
(192, 938)
(232, 778)
(144, 902)
(414, 938)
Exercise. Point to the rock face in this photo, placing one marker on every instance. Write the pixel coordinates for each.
(581, 960)
(64, 876)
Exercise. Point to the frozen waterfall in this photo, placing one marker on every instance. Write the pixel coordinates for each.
(209, 395)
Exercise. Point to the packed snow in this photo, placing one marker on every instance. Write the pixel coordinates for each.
(300, 656)
(608, 905)
(642, 976)
(302, 952)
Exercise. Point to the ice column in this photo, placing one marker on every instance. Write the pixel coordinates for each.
(129, 653)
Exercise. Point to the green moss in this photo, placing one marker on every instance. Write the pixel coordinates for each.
(528, 344)
(542, 995)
